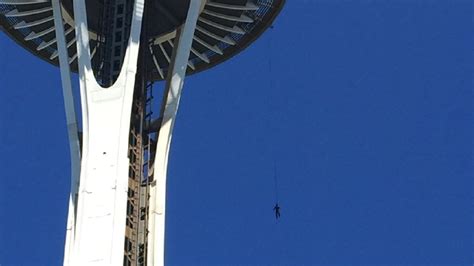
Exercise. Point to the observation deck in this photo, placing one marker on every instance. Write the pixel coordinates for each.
(224, 28)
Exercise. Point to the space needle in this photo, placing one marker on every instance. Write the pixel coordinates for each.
(119, 154)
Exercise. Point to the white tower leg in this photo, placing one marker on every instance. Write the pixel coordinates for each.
(174, 85)
(101, 214)
(71, 122)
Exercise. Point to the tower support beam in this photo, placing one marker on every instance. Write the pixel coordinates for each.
(169, 108)
(71, 121)
(106, 112)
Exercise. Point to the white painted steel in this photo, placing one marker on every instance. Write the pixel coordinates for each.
(23, 2)
(73, 58)
(16, 13)
(242, 18)
(213, 48)
(71, 121)
(248, 6)
(160, 71)
(34, 35)
(52, 41)
(101, 213)
(190, 64)
(174, 85)
(69, 44)
(164, 53)
(203, 57)
(225, 39)
(23, 24)
(234, 29)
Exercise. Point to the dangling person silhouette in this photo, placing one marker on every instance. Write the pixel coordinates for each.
(277, 211)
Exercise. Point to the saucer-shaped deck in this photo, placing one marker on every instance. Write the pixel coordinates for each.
(224, 28)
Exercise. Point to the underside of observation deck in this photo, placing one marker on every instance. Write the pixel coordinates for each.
(224, 28)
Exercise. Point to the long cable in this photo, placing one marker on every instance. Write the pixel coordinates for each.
(270, 84)
(276, 181)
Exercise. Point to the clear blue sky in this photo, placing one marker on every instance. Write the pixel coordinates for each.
(367, 109)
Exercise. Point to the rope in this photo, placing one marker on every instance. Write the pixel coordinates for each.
(276, 181)
(271, 85)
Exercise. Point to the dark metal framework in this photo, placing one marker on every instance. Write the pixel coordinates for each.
(140, 175)
(113, 32)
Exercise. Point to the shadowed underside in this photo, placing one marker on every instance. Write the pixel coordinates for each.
(225, 27)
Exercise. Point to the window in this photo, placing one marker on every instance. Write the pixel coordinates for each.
(117, 50)
(128, 244)
(116, 65)
(120, 9)
(131, 193)
(119, 22)
(130, 208)
(118, 36)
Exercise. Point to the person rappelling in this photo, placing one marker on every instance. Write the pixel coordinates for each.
(277, 211)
